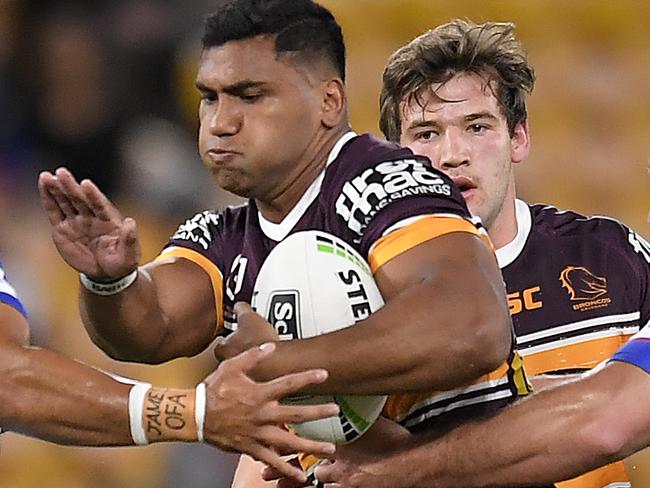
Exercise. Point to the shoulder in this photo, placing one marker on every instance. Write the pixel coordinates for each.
(372, 185)
(549, 219)
(205, 227)
(607, 234)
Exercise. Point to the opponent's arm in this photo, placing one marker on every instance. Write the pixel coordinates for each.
(46, 395)
(444, 324)
(554, 435)
(166, 312)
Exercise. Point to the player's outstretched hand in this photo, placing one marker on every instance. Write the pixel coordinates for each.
(89, 232)
(246, 416)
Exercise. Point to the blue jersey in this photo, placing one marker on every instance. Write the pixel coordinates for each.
(637, 350)
(8, 293)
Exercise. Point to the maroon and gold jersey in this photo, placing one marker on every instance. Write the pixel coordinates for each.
(578, 289)
(382, 200)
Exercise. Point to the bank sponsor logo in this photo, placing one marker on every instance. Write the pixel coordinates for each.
(364, 196)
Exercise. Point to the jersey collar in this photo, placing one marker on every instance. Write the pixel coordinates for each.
(279, 231)
(508, 253)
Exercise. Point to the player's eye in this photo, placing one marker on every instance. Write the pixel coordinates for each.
(251, 97)
(208, 97)
(426, 135)
(477, 128)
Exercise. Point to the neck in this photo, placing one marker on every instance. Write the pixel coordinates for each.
(279, 204)
(504, 229)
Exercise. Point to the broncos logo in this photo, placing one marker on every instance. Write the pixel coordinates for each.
(582, 284)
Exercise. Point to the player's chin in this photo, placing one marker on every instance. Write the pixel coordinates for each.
(233, 181)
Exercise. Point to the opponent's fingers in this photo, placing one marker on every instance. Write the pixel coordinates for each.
(46, 181)
(245, 361)
(327, 472)
(289, 483)
(272, 474)
(295, 414)
(293, 383)
(99, 203)
(275, 461)
(286, 441)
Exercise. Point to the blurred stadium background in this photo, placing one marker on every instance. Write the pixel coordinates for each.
(106, 89)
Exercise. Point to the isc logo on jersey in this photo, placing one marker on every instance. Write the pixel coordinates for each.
(376, 187)
(313, 283)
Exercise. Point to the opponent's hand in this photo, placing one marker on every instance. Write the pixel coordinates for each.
(384, 438)
(246, 416)
(89, 232)
(252, 330)
(271, 474)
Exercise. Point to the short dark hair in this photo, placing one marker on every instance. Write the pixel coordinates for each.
(300, 26)
(490, 50)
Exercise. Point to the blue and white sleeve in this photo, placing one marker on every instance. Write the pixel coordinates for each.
(637, 350)
(8, 294)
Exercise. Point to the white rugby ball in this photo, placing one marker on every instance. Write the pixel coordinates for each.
(312, 283)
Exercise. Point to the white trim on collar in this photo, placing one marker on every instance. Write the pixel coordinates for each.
(511, 251)
(279, 231)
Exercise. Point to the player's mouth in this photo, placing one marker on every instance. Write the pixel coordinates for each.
(465, 185)
(222, 156)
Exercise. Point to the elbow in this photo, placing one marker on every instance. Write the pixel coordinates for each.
(603, 441)
(131, 353)
(490, 341)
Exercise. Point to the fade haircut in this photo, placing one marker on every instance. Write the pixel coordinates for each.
(301, 27)
(489, 50)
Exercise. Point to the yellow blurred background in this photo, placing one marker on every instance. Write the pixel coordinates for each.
(107, 89)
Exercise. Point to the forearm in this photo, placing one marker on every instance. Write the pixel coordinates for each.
(57, 399)
(405, 346)
(61, 400)
(555, 435)
(167, 312)
(129, 325)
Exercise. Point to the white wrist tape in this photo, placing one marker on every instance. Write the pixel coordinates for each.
(137, 395)
(199, 410)
(111, 288)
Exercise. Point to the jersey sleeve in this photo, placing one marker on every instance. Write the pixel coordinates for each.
(199, 240)
(393, 205)
(637, 350)
(8, 294)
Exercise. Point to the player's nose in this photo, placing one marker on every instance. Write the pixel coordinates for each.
(454, 151)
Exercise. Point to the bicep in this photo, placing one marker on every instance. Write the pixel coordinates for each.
(457, 262)
(187, 302)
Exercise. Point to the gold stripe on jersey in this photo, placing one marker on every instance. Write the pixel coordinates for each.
(405, 238)
(411, 409)
(519, 375)
(610, 476)
(216, 278)
(584, 354)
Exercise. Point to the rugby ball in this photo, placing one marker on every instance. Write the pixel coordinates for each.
(313, 283)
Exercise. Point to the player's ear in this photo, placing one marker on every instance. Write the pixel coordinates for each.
(520, 142)
(333, 102)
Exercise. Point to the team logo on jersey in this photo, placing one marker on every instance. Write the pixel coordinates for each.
(364, 196)
(584, 287)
